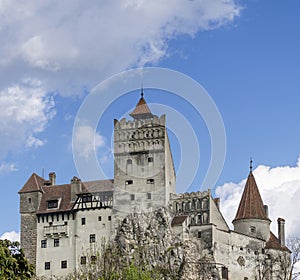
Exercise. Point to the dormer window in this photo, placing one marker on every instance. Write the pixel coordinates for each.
(52, 203)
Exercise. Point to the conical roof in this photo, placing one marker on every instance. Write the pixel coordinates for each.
(141, 110)
(251, 205)
(33, 184)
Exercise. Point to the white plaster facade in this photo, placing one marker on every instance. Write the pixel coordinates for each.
(81, 215)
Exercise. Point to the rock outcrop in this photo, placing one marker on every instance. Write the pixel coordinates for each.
(147, 239)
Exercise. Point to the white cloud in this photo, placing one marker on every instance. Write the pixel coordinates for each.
(70, 44)
(25, 110)
(7, 167)
(280, 190)
(87, 141)
(33, 142)
(11, 235)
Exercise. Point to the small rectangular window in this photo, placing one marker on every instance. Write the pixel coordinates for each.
(47, 265)
(87, 198)
(52, 204)
(56, 242)
(129, 182)
(148, 195)
(132, 197)
(92, 238)
(224, 272)
(83, 221)
(150, 159)
(83, 260)
(64, 264)
(93, 259)
(99, 218)
(150, 181)
(252, 229)
(44, 243)
(199, 234)
(109, 218)
(29, 200)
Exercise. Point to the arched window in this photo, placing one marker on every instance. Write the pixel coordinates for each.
(187, 206)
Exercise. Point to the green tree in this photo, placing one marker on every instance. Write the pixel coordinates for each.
(13, 264)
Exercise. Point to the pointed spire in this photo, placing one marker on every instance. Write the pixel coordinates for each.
(141, 110)
(251, 205)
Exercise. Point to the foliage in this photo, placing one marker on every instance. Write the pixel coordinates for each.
(293, 243)
(13, 264)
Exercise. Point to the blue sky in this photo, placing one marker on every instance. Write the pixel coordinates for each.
(244, 53)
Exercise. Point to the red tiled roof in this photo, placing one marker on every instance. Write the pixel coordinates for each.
(34, 183)
(97, 186)
(141, 110)
(178, 220)
(63, 194)
(273, 243)
(60, 192)
(251, 205)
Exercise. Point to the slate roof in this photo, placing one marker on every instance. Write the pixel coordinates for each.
(178, 220)
(33, 184)
(273, 243)
(251, 205)
(141, 110)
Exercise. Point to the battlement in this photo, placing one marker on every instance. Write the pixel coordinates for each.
(124, 124)
(182, 196)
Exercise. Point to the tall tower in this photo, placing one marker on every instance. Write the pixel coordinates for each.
(30, 197)
(252, 215)
(144, 174)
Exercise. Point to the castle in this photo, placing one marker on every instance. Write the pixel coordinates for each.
(59, 222)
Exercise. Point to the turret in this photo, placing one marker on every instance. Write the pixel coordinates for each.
(252, 215)
(30, 198)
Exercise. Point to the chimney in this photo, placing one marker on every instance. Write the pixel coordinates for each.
(266, 210)
(281, 231)
(217, 202)
(52, 179)
(75, 187)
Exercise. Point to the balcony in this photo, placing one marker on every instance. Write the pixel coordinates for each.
(56, 231)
